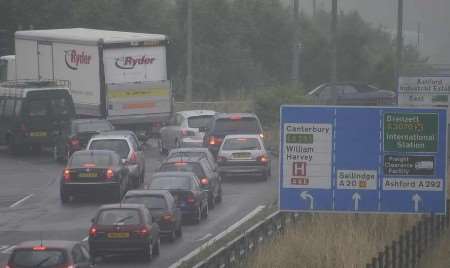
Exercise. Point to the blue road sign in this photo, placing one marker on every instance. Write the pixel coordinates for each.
(363, 159)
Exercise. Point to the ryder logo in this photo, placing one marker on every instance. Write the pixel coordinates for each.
(74, 58)
(129, 62)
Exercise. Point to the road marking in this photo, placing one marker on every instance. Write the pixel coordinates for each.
(8, 250)
(85, 239)
(217, 237)
(21, 201)
(208, 235)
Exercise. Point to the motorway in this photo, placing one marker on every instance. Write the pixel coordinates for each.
(30, 208)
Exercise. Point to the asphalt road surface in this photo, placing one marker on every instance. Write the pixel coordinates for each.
(30, 208)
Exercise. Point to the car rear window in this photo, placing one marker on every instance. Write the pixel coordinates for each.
(247, 125)
(184, 166)
(92, 126)
(28, 258)
(150, 201)
(93, 160)
(119, 216)
(116, 145)
(241, 144)
(171, 183)
(37, 107)
(199, 121)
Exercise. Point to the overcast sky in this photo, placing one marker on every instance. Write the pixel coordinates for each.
(432, 15)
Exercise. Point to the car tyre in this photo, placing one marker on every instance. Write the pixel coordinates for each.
(148, 252)
(179, 231)
(156, 248)
(173, 236)
(205, 212)
(198, 216)
(65, 198)
(219, 195)
(212, 201)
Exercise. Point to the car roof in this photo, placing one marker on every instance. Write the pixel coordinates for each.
(93, 152)
(189, 149)
(190, 159)
(121, 206)
(174, 174)
(147, 192)
(242, 136)
(229, 115)
(89, 120)
(190, 113)
(47, 243)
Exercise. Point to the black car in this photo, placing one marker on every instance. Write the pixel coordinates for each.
(351, 93)
(50, 254)
(92, 172)
(230, 123)
(77, 137)
(186, 190)
(200, 166)
(163, 208)
(123, 229)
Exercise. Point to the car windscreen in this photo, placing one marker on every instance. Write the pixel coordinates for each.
(90, 160)
(44, 258)
(199, 121)
(116, 145)
(184, 166)
(150, 201)
(119, 216)
(169, 183)
(92, 126)
(247, 125)
(241, 144)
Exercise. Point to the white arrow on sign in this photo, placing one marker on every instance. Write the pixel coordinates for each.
(305, 195)
(356, 197)
(416, 199)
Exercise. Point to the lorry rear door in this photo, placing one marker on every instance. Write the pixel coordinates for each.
(45, 61)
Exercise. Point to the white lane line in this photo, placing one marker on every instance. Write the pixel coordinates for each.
(8, 250)
(21, 200)
(85, 239)
(219, 236)
(203, 238)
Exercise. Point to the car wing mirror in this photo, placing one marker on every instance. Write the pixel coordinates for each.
(124, 161)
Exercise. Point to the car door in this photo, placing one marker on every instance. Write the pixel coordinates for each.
(154, 224)
(200, 195)
(174, 209)
(211, 175)
(135, 145)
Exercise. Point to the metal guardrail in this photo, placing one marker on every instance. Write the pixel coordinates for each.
(412, 244)
(236, 251)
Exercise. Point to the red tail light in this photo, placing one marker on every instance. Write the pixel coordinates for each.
(66, 175)
(93, 231)
(168, 217)
(221, 159)
(40, 248)
(144, 231)
(214, 140)
(204, 181)
(187, 133)
(190, 199)
(133, 158)
(7, 266)
(70, 266)
(109, 174)
(235, 117)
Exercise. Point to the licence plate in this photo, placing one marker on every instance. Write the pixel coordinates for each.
(118, 235)
(241, 155)
(88, 175)
(38, 134)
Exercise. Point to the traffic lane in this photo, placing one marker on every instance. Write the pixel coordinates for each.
(240, 196)
(42, 215)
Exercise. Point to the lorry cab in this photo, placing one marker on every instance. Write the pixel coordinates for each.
(34, 113)
(7, 68)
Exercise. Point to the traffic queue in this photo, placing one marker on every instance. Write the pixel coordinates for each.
(201, 149)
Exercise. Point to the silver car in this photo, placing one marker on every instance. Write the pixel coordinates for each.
(243, 155)
(185, 129)
(194, 152)
(127, 145)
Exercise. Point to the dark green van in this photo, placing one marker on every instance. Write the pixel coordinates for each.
(33, 114)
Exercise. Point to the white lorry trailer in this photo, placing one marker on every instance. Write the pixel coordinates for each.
(120, 76)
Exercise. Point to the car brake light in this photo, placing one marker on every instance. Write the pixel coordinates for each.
(190, 199)
(204, 181)
(40, 248)
(180, 163)
(263, 159)
(92, 231)
(66, 175)
(214, 140)
(235, 117)
(109, 174)
(168, 217)
(133, 158)
(187, 133)
(144, 231)
(74, 142)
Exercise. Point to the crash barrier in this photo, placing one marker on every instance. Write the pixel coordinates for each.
(412, 244)
(229, 106)
(237, 250)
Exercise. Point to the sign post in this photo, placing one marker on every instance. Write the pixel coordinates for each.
(363, 159)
